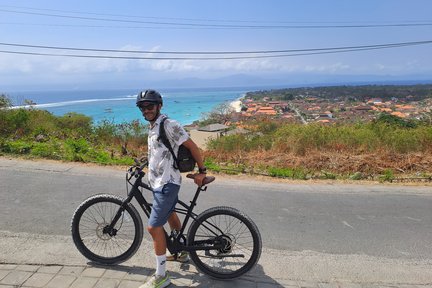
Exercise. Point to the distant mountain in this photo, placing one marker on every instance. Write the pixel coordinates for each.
(237, 80)
(291, 80)
(269, 80)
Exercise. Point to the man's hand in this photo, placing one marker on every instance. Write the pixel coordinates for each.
(199, 179)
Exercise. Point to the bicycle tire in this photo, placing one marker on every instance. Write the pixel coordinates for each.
(92, 216)
(217, 264)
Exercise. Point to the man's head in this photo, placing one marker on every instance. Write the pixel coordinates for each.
(150, 103)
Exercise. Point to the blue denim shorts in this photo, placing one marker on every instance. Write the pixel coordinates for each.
(164, 202)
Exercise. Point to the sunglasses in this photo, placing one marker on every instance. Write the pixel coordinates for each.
(147, 107)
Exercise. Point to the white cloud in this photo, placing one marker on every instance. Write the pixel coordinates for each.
(29, 68)
(14, 63)
(331, 68)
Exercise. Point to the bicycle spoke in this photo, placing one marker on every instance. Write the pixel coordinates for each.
(95, 219)
(236, 233)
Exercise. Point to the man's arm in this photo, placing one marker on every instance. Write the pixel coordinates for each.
(196, 154)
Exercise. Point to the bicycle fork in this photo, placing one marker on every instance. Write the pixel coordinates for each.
(109, 229)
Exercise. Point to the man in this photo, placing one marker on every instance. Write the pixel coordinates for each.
(164, 179)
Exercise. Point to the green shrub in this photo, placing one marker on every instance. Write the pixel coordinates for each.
(105, 131)
(294, 173)
(42, 122)
(327, 175)
(241, 142)
(228, 143)
(395, 121)
(75, 149)
(123, 161)
(51, 150)
(356, 176)
(75, 124)
(388, 176)
(211, 165)
(5, 101)
(17, 147)
(17, 121)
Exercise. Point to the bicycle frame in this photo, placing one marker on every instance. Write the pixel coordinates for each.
(175, 243)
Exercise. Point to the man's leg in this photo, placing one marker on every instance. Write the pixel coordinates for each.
(159, 244)
(174, 222)
(160, 278)
(164, 202)
(159, 241)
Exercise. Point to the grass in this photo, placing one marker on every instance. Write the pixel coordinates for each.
(293, 173)
(353, 151)
(72, 137)
(299, 139)
(296, 151)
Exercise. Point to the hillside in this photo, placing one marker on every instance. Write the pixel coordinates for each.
(355, 93)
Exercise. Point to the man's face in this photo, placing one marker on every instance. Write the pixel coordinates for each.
(149, 110)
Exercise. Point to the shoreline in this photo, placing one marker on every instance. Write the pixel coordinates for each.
(237, 104)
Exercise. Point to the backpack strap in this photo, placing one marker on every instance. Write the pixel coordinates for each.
(163, 137)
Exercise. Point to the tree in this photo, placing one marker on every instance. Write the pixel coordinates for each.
(5, 101)
(394, 120)
(28, 102)
(128, 131)
(222, 113)
(427, 117)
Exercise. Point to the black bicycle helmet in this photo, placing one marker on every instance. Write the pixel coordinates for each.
(151, 96)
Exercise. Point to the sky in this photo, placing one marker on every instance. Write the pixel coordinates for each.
(222, 26)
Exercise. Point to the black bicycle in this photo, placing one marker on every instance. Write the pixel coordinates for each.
(223, 242)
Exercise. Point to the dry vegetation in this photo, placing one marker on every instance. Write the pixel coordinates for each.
(368, 150)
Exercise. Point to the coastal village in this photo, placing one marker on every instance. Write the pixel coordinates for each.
(312, 109)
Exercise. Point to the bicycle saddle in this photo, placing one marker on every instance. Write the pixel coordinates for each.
(207, 179)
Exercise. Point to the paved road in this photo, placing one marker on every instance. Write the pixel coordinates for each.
(315, 232)
(376, 220)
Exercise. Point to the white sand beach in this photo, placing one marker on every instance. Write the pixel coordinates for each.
(236, 105)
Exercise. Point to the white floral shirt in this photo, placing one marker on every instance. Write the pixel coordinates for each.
(161, 170)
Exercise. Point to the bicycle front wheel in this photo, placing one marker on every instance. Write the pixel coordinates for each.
(236, 236)
(95, 241)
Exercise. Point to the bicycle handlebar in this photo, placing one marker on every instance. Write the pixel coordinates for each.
(137, 169)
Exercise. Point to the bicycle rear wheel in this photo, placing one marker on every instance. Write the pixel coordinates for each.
(236, 235)
(91, 236)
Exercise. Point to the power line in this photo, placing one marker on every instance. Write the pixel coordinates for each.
(224, 26)
(186, 26)
(196, 19)
(338, 50)
(141, 17)
(148, 17)
(386, 45)
(105, 26)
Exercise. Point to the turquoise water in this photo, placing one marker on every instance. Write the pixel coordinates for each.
(118, 106)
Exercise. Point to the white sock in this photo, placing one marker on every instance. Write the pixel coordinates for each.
(160, 265)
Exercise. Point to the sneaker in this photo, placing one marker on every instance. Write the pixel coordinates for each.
(182, 257)
(157, 281)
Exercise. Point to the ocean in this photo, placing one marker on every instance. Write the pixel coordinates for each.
(118, 106)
